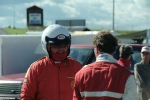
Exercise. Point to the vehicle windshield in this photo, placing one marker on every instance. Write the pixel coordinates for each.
(80, 54)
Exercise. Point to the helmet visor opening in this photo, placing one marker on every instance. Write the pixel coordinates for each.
(58, 41)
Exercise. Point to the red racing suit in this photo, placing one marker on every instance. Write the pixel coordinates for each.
(47, 80)
(104, 80)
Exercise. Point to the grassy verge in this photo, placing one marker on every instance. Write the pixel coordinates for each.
(124, 32)
(24, 30)
(16, 30)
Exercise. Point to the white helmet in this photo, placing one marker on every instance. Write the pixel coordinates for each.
(55, 34)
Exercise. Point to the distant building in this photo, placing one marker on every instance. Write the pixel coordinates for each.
(73, 25)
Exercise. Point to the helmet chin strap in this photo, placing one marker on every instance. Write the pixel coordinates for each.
(48, 51)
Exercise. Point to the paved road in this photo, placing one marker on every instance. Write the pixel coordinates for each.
(2, 32)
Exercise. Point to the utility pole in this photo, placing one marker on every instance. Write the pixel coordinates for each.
(14, 15)
(113, 15)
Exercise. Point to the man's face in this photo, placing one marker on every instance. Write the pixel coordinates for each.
(145, 56)
(59, 48)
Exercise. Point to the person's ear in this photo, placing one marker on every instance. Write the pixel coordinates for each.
(97, 50)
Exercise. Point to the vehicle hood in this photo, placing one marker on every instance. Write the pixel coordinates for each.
(13, 77)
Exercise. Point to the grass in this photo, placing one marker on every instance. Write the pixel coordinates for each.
(24, 30)
(122, 32)
(125, 32)
(16, 30)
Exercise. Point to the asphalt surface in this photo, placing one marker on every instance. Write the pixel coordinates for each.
(2, 32)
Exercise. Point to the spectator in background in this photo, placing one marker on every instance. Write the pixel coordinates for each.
(52, 77)
(104, 79)
(125, 54)
(142, 74)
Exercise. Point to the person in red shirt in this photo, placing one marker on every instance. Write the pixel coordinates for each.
(126, 52)
(104, 79)
(52, 77)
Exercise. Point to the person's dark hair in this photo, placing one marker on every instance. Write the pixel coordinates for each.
(125, 51)
(125, 56)
(105, 41)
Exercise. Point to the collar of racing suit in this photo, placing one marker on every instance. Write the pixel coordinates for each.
(106, 58)
(58, 63)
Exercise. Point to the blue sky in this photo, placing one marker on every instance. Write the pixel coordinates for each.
(129, 14)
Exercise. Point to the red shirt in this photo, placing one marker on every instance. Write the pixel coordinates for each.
(124, 62)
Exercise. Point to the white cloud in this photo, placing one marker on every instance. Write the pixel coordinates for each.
(70, 11)
(129, 14)
(21, 22)
(2, 18)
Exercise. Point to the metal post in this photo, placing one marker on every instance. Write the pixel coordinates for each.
(113, 14)
(14, 15)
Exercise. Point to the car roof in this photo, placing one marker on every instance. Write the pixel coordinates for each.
(81, 46)
(91, 46)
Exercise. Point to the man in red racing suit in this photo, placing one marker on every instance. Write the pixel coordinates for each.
(52, 77)
(47, 80)
(104, 79)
